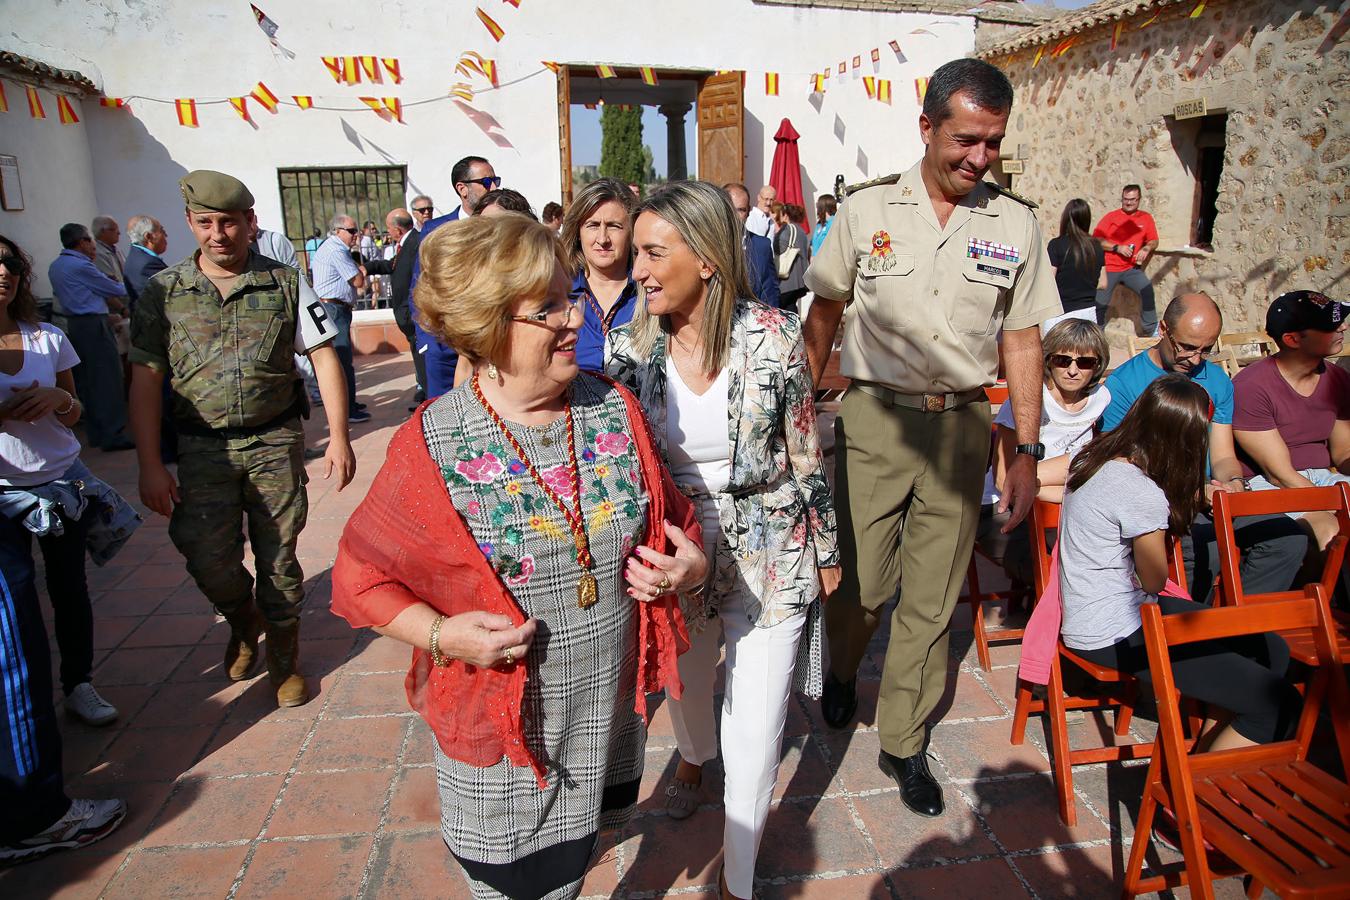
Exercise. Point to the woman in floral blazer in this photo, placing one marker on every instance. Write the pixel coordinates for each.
(725, 385)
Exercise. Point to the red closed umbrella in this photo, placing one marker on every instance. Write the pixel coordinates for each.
(786, 173)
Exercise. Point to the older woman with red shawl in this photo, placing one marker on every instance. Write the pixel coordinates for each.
(520, 538)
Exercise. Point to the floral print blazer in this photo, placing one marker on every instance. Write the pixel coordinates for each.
(776, 515)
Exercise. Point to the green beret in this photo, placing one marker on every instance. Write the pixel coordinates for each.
(207, 191)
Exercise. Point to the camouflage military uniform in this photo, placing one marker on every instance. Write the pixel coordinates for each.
(236, 403)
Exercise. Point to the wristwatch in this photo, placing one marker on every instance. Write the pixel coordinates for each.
(1035, 451)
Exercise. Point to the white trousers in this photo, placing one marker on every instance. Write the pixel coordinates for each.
(754, 709)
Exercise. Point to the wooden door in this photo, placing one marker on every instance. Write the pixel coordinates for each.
(721, 130)
(565, 133)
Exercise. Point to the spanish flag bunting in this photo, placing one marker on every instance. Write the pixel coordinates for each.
(64, 111)
(551, 66)
(1199, 8)
(1116, 32)
(876, 55)
(351, 71)
(35, 104)
(4, 101)
(112, 102)
(857, 61)
(1040, 51)
(240, 105)
(870, 85)
(375, 104)
(493, 28)
(605, 71)
(1150, 20)
(394, 107)
(187, 112)
(515, 3)
(263, 95)
(842, 67)
(490, 70)
(334, 66)
(465, 66)
(771, 84)
(371, 66)
(392, 67)
(462, 91)
(818, 83)
(884, 90)
(895, 46)
(1065, 45)
(826, 73)
(648, 76)
(920, 88)
(303, 101)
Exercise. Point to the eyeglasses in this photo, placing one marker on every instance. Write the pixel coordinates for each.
(542, 318)
(14, 263)
(423, 210)
(350, 230)
(492, 182)
(1187, 350)
(1063, 361)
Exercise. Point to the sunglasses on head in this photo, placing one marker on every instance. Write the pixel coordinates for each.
(492, 182)
(14, 263)
(1063, 361)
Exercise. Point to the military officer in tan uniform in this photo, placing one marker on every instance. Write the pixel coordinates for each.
(926, 268)
(223, 326)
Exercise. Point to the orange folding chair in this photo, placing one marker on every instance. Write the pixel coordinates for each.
(1121, 695)
(1228, 507)
(977, 598)
(1266, 811)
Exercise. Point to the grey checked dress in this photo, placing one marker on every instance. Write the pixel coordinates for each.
(512, 838)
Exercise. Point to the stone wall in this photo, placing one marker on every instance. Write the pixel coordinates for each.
(1095, 119)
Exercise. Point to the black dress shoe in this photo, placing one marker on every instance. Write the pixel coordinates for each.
(918, 788)
(838, 700)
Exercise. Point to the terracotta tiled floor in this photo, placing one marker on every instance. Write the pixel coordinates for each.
(231, 797)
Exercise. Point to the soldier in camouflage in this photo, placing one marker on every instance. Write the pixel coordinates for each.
(222, 325)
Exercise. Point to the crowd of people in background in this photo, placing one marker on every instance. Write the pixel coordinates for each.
(614, 444)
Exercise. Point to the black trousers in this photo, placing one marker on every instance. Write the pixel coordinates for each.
(63, 558)
(403, 318)
(1272, 549)
(1244, 675)
(32, 792)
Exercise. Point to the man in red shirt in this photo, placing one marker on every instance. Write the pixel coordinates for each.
(1129, 237)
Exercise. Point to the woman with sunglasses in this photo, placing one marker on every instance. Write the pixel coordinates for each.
(519, 537)
(1073, 399)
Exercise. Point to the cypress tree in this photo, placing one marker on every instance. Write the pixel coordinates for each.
(621, 145)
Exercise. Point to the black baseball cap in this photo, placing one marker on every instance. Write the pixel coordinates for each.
(1303, 310)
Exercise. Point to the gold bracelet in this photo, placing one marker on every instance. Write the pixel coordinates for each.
(434, 644)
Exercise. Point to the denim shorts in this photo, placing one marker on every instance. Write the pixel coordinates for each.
(1319, 478)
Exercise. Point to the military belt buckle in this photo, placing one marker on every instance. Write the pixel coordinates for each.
(934, 402)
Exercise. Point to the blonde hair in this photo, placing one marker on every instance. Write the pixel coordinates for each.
(1071, 335)
(474, 270)
(592, 197)
(702, 215)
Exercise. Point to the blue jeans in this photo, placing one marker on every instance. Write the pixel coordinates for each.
(341, 314)
(1137, 281)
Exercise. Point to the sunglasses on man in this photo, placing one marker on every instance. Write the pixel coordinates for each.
(423, 210)
(492, 182)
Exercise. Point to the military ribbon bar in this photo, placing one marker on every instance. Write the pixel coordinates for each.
(978, 247)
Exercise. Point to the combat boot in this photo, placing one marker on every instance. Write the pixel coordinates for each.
(241, 651)
(283, 663)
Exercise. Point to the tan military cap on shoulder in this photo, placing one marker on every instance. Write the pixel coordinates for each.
(208, 191)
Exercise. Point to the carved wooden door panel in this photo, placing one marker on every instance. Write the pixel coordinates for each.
(565, 133)
(721, 132)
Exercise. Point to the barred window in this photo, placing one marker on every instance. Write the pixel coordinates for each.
(311, 197)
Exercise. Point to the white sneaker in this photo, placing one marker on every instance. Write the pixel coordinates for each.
(85, 704)
(85, 822)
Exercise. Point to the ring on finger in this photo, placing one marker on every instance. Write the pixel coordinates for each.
(510, 657)
(665, 583)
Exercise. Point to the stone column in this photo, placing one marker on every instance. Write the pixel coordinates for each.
(677, 163)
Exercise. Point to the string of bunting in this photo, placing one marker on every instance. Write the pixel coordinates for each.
(1116, 32)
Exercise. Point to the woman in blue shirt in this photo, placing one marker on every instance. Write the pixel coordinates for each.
(597, 235)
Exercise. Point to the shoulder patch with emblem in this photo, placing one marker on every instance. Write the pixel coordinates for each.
(885, 179)
(1000, 189)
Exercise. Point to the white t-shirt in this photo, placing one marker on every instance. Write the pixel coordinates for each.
(1100, 594)
(696, 432)
(34, 453)
(1062, 431)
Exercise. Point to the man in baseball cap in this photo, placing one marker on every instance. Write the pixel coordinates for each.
(1292, 416)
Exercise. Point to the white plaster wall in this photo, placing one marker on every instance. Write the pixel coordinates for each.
(56, 173)
(191, 48)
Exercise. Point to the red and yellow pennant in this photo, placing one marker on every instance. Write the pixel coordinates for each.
(895, 45)
(187, 112)
(771, 84)
(351, 70)
(240, 105)
(493, 28)
(1116, 32)
(826, 73)
(606, 71)
(304, 101)
(334, 66)
(394, 107)
(648, 76)
(392, 67)
(1199, 10)
(870, 85)
(920, 89)
(490, 71)
(551, 66)
(4, 101)
(64, 111)
(463, 91)
(876, 55)
(263, 95)
(842, 67)
(35, 103)
(112, 102)
(857, 61)
(818, 83)
(371, 66)
(376, 105)
(515, 3)
(884, 90)
(1064, 46)
(1150, 20)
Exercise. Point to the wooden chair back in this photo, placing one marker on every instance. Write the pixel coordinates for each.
(1265, 808)
(1140, 344)
(1247, 346)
